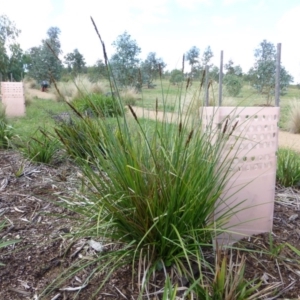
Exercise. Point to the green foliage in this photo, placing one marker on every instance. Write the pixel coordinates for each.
(41, 147)
(262, 75)
(75, 62)
(233, 84)
(176, 76)
(98, 105)
(288, 167)
(44, 61)
(3, 243)
(125, 61)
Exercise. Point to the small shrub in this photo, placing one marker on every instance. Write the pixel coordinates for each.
(293, 116)
(288, 167)
(233, 84)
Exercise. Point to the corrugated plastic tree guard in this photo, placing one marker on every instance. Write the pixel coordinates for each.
(12, 94)
(250, 191)
(253, 145)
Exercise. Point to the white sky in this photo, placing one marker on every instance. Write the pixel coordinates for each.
(168, 27)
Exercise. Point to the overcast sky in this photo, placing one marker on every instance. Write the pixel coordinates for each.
(167, 27)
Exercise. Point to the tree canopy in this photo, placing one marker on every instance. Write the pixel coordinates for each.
(44, 60)
(262, 75)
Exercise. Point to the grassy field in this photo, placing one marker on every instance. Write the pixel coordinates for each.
(40, 112)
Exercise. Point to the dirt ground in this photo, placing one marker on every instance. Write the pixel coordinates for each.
(30, 195)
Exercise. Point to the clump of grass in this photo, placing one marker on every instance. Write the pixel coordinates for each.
(288, 167)
(293, 116)
(41, 147)
(6, 131)
(82, 138)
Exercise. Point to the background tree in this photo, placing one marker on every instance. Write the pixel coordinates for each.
(151, 68)
(206, 57)
(192, 56)
(75, 62)
(98, 71)
(44, 60)
(11, 55)
(262, 75)
(125, 61)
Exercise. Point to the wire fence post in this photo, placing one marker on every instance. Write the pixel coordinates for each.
(206, 86)
(221, 79)
(277, 79)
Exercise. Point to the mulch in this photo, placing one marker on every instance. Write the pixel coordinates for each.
(29, 198)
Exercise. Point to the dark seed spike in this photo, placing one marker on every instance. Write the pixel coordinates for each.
(189, 138)
(180, 128)
(233, 128)
(156, 106)
(188, 83)
(103, 45)
(133, 113)
(202, 79)
(225, 126)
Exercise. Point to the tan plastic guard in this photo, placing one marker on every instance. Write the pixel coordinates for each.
(253, 170)
(12, 94)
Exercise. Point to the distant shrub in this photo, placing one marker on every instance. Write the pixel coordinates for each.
(176, 76)
(233, 84)
(98, 105)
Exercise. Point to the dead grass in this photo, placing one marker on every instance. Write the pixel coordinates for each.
(293, 123)
(129, 96)
(79, 87)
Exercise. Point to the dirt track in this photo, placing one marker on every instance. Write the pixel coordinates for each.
(286, 139)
